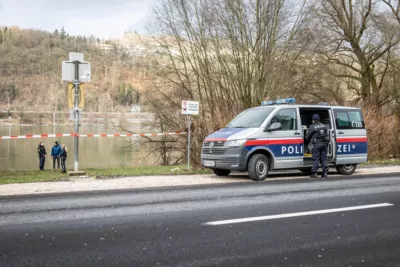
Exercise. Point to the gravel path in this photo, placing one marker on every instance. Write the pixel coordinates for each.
(89, 184)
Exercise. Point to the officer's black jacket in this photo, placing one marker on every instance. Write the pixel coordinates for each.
(41, 151)
(318, 131)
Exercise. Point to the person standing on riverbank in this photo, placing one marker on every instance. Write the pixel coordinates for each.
(63, 156)
(55, 154)
(42, 156)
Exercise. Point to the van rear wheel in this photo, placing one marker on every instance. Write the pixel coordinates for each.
(220, 172)
(258, 167)
(346, 169)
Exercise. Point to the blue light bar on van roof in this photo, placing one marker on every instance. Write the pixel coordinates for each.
(278, 101)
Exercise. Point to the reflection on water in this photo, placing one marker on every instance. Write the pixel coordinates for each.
(94, 152)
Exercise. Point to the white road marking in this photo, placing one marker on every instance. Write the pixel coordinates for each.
(297, 214)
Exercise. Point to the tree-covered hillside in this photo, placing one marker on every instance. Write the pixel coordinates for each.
(30, 71)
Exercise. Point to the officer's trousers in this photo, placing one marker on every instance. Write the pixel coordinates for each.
(319, 156)
(42, 160)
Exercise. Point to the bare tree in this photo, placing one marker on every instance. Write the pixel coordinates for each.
(356, 36)
(394, 6)
(227, 59)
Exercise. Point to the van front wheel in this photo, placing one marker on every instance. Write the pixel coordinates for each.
(258, 167)
(347, 169)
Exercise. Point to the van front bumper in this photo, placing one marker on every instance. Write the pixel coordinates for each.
(233, 159)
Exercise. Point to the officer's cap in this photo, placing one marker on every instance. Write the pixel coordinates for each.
(315, 117)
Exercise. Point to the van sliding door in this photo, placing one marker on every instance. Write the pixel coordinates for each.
(351, 136)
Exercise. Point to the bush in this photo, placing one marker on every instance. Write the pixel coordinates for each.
(383, 135)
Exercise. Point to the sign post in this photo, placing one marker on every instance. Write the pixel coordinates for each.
(76, 117)
(189, 108)
(70, 73)
(188, 160)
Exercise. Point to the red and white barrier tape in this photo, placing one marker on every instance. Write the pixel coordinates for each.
(35, 136)
(88, 135)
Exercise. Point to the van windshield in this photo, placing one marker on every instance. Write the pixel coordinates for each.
(250, 118)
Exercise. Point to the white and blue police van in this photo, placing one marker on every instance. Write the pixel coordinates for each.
(271, 137)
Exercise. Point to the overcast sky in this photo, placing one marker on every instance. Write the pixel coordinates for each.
(102, 18)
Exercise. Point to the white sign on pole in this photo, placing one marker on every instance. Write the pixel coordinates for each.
(68, 72)
(190, 107)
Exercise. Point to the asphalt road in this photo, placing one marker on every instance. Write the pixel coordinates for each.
(188, 227)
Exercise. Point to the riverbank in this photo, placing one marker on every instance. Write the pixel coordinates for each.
(15, 176)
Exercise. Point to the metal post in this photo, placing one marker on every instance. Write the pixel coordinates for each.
(189, 142)
(8, 107)
(76, 117)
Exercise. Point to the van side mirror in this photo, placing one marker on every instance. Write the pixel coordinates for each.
(274, 126)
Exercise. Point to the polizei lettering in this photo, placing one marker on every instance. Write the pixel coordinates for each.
(297, 150)
(344, 148)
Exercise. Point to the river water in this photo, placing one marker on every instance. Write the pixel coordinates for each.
(94, 152)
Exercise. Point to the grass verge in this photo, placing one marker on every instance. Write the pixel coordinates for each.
(9, 177)
(143, 171)
(382, 162)
(15, 176)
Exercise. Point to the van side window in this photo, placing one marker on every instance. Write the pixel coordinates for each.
(288, 119)
(349, 119)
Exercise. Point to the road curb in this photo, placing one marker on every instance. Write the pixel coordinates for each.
(338, 176)
(222, 185)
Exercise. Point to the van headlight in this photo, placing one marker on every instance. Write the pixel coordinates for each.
(235, 143)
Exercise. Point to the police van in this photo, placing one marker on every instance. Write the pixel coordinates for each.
(271, 137)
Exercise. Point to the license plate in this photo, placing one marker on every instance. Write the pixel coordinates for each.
(209, 163)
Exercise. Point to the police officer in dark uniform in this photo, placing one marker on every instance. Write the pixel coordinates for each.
(42, 155)
(318, 135)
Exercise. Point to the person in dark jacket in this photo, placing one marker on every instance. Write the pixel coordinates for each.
(63, 157)
(317, 134)
(55, 152)
(42, 156)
